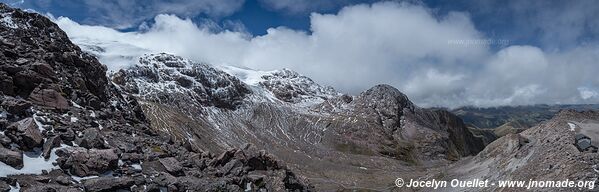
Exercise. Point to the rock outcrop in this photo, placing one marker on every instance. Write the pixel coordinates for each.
(59, 108)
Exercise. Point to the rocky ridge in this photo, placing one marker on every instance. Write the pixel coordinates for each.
(65, 127)
(294, 118)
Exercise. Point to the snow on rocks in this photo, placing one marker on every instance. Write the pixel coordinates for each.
(33, 163)
(284, 85)
(572, 126)
(163, 78)
(6, 20)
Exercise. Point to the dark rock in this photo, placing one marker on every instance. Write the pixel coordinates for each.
(4, 140)
(224, 157)
(83, 162)
(92, 138)
(49, 145)
(102, 184)
(15, 106)
(68, 135)
(12, 158)
(172, 165)
(6, 84)
(43, 69)
(26, 133)
(48, 98)
(232, 167)
(4, 187)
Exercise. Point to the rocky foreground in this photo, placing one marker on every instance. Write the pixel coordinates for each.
(65, 127)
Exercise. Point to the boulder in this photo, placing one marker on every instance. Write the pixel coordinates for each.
(12, 158)
(224, 157)
(101, 184)
(83, 162)
(25, 133)
(92, 138)
(48, 98)
(49, 145)
(43, 69)
(15, 106)
(172, 165)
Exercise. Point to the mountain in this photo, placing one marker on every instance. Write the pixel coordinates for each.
(494, 122)
(308, 126)
(166, 123)
(516, 116)
(545, 152)
(65, 127)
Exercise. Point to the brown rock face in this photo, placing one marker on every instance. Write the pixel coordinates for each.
(83, 162)
(48, 98)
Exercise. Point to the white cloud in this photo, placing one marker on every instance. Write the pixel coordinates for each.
(395, 43)
(586, 93)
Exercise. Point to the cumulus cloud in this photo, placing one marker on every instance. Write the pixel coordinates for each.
(405, 45)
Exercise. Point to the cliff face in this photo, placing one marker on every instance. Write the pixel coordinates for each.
(65, 127)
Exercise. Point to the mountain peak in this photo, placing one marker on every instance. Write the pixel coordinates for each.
(387, 94)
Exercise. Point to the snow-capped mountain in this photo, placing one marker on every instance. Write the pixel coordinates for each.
(160, 122)
(213, 108)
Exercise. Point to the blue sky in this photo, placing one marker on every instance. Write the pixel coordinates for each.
(520, 22)
(440, 53)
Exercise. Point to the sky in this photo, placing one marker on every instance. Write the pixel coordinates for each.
(444, 53)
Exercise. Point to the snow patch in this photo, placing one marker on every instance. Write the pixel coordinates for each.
(137, 166)
(15, 188)
(33, 163)
(572, 126)
(79, 179)
(248, 76)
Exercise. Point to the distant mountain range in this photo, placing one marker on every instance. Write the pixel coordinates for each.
(515, 116)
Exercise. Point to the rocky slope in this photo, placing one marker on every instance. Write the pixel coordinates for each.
(168, 123)
(308, 126)
(545, 152)
(65, 127)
